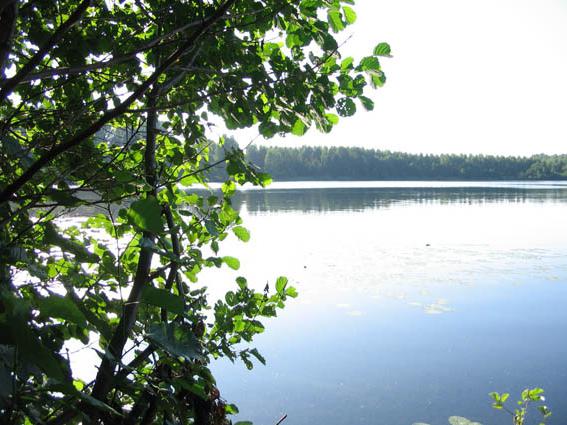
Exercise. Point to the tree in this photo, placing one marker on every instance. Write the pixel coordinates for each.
(354, 163)
(106, 106)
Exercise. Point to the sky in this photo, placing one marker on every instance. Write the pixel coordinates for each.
(482, 76)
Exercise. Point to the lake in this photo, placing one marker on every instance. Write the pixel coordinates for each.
(416, 299)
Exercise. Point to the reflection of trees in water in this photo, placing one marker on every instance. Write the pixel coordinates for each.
(93, 207)
(356, 199)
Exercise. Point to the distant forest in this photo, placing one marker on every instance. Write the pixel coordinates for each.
(349, 163)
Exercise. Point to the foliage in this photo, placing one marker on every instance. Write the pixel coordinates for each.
(528, 397)
(351, 163)
(105, 107)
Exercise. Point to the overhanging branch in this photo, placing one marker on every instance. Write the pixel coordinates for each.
(67, 71)
(45, 159)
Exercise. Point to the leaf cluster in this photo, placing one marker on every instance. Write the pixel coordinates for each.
(529, 396)
(106, 111)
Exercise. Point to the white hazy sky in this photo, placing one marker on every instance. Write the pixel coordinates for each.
(482, 76)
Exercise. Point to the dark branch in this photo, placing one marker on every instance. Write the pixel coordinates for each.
(8, 14)
(103, 383)
(10, 84)
(104, 377)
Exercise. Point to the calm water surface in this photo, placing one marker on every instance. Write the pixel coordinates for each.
(416, 300)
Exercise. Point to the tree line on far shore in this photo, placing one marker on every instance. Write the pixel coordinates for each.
(353, 163)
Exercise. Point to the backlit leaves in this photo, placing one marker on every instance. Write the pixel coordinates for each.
(370, 63)
(176, 340)
(350, 14)
(335, 20)
(241, 233)
(145, 214)
(163, 298)
(346, 107)
(367, 103)
(145, 223)
(298, 128)
(281, 283)
(231, 262)
(529, 396)
(382, 49)
(61, 308)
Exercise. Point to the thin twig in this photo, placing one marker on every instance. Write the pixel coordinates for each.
(283, 418)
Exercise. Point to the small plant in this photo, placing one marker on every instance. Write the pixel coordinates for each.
(529, 396)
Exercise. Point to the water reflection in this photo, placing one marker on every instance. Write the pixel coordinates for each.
(358, 199)
(414, 302)
(309, 197)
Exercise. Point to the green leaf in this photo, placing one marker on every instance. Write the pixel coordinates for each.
(211, 227)
(63, 198)
(231, 298)
(347, 63)
(30, 347)
(241, 233)
(329, 43)
(495, 396)
(243, 423)
(176, 340)
(346, 107)
(370, 63)
(291, 292)
(97, 404)
(62, 308)
(350, 14)
(544, 410)
(298, 128)
(334, 19)
(231, 262)
(231, 409)
(52, 236)
(378, 79)
(78, 384)
(292, 40)
(239, 325)
(265, 179)
(241, 282)
(228, 188)
(281, 283)
(367, 103)
(382, 49)
(333, 118)
(194, 387)
(189, 180)
(535, 394)
(163, 298)
(146, 215)
(256, 353)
